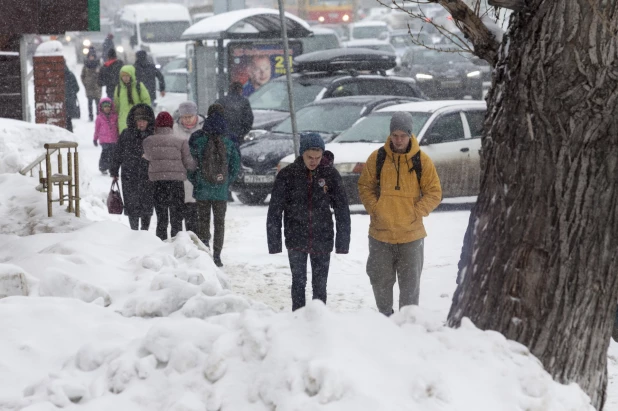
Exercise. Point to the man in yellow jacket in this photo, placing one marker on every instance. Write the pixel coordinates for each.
(397, 200)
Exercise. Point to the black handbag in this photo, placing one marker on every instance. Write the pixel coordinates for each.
(114, 199)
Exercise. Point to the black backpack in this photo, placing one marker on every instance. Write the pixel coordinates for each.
(214, 160)
(417, 166)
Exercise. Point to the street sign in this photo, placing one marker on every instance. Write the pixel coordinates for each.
(94, 15)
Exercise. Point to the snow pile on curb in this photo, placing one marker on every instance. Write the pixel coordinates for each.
(313, 359)
(21, 142)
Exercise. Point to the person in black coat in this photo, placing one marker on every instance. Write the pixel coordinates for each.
(109, 75)
(237, 112)
(108, 45)
(71, 107)
(137, 189)
(147, 73)
(304, 193)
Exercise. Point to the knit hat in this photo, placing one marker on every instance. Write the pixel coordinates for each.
(188, 108)
(164, 119)
(402, 121)
(309, 141)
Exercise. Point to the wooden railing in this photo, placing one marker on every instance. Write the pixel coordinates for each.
(48, 180)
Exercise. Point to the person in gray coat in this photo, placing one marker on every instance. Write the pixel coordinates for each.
(188, 123)
(169, 158)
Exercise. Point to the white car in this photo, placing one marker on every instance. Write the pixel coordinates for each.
(448, 131)
(367, 30)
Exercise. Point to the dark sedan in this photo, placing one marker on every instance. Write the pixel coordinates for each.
(443, 74)
(328, 117)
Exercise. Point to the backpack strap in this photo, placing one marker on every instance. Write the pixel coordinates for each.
(417, 166)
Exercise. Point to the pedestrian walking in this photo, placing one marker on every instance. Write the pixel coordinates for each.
(109, 74)
(148, 74)
(170, 159)
(218, 163)
(71, 104)
(398, 187)
(106, 133)
(188, 123)
(90, 80)
(137, 189)
(304, 193)
(108, 44)
(129, 92)
(237, 112)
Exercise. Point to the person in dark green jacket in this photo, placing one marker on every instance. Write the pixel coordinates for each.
(212, 195)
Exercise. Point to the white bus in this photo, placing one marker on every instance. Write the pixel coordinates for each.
(153, 27)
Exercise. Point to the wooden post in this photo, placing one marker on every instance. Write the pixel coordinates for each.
(76, 183)
(49, 184)
(60, 184)
(71, 183)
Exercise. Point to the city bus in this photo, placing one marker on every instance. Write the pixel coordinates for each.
(322, 11)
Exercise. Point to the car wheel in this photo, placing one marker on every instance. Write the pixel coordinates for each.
(251, 198)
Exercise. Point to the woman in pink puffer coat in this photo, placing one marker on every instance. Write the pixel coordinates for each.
(106, 132)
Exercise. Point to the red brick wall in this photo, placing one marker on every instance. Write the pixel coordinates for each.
(49, 90)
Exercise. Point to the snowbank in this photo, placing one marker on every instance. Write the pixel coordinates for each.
(21, 142)
(313, 359)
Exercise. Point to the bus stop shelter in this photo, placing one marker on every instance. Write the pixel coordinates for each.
(223, 47)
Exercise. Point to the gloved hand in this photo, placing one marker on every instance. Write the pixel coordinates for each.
(96, 143)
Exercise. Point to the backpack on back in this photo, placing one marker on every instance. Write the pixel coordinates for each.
(214, 160)
(417, 166)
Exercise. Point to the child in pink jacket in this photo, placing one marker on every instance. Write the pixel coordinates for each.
(106, 132)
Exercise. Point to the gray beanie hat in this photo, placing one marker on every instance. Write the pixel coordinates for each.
(188, 108)
(402, 121)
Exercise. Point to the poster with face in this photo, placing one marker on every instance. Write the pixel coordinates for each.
(254, 65)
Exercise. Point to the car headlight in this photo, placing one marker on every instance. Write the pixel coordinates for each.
(253, 134)
(67, 38)
(474, 73)
(120, 49)
(421, 76)
(85, 51)
(348, 168)
(86, 43)
(282, 165)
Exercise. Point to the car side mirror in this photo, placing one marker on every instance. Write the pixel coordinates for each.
(397, 69)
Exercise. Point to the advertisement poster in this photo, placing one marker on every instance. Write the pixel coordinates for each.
(254, 65)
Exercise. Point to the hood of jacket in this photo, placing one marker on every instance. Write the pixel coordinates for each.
(103, 100)
(151, 117)
(215, 125)
(328, 159)
(141, 57)
(413, 147)
(130, 70)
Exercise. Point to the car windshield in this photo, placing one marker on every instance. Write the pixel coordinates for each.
(274, 96)
(323, 118)
(430, 57)
(375, 128)
(163, 31)
(174, 64)
(176, 82)
(367, 32)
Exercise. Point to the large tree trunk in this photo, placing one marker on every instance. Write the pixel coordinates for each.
(539, 262)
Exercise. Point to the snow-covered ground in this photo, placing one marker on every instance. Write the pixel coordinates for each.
(109, 318)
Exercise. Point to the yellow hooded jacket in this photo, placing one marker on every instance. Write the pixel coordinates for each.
(397, 215)
(121, 96)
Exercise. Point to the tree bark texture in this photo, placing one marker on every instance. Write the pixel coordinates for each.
(539, 261)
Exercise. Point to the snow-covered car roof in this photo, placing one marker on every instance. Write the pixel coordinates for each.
(369, 23)
(156, 12)
(431, 106)
(245, 23)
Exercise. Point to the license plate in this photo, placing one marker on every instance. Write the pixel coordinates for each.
(450, 84)
(259, 179)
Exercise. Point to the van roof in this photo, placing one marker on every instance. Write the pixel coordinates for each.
(156, 12)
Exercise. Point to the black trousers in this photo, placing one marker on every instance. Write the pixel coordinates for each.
(92, 101)
(190, 216)
(134, 222)
(107, 153)
(320, 264)
(203, 217)
(169, 199)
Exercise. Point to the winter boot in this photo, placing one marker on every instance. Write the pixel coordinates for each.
(217, 260)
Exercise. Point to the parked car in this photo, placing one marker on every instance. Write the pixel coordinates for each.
(322, 39)
(329, 117)
(448, 131)
(327, 74)
(443, 74)
(366, 30)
